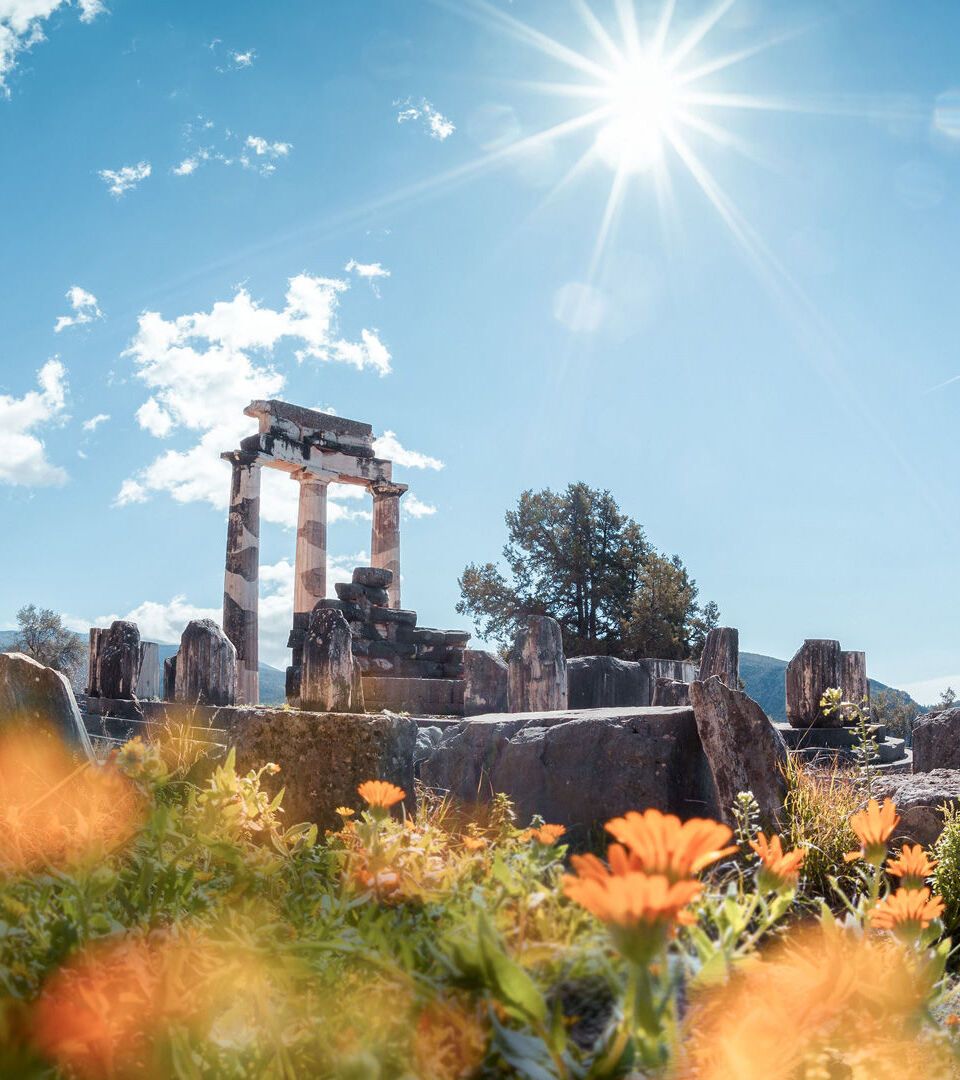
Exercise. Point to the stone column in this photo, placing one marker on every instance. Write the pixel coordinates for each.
(721, 656)
(814, 668)
(241, 585)
(537, 670)
(853, 678)
(310, 575)
(385, 535)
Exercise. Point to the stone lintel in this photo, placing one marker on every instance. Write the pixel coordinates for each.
(309, 420)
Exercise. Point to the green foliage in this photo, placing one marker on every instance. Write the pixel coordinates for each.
(946, 877)
(42, 636)
(574, 556)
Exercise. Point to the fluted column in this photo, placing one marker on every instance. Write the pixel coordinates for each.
(241, 585)
(310, 574)
(385, 535)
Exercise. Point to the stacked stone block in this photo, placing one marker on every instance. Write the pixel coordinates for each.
(387, 643)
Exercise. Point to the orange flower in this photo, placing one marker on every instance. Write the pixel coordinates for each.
(778, 869)
(344, 812)
(660, 844)
(380, 794)
(952, 1020)
(474, 843)
(907, 912)
(640, 910)
(874, 826)
(546, 834)
(913, 866)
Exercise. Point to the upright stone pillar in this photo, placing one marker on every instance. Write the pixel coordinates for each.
(148, 676)
(538, 668)
(487, 679)
(206, 669)
(853, 678)
(721, 656)
(310, 575)
(241, 586)
(814, 668)
(98, 641)
(326, 684)
(385, 535)
(119, 661)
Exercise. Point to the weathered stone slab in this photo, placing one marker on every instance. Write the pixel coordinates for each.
(853, 677)
(206, 665)
(936, 741)
(486, 683)
(743, 748)
(578, 768)
(721, 656)
(670, 692)
(678, 670)
(148, 673)
(419, 697)
(119, 660)
(33, 695)
(323, 757)
(326, 680)
(537, 667)
(375, 577)
(919, 798)
(605, 682)
(814, 669)
(170, 678)
(98, 640)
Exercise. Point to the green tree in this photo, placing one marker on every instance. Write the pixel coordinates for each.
(43, 637)
(895, 710)
(575, 556)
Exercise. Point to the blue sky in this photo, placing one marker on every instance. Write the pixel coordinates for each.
(346, 203)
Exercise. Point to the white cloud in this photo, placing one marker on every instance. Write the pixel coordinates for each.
(120, 181)
(253, 152)
(85, 309)
(415, 507)
(243, 59)
(190, 164)
(433, 121)
(202, 370)
(95, 421)
(264, 148)
(388, 446)
(21, 27)
(368, 271)
(23, 458)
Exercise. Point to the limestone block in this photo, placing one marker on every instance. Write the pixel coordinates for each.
(537, 667)
(206, 665)
(743, 748)
(323, 757)
(326, 680)
(487, 680)
(32, 695)
(936, 741)
(919, 800)
(814, 668)
(721, 656)
(577, 768)
(601, 682)
(376, 577)
(670, 692)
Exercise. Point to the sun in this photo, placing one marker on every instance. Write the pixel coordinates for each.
(644, 101)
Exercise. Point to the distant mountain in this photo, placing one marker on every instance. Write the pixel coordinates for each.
(763, 679)
(272, 680)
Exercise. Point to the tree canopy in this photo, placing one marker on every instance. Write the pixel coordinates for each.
(574, 556)
(43, 637)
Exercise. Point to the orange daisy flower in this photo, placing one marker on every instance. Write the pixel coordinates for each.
(874, 826)
(661, 844)
(640, 910)
(380, 794)
(912, 865)
(907, 912)
(778, 869)
(344, 811)
(474, 843)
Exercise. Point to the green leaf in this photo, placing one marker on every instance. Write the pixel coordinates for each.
(513, 986)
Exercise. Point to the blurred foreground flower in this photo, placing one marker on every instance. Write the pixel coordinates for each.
(874, 826)
(545, 834)
(662, 844)
(57, 811)
(449, 1042)
(826, 1003)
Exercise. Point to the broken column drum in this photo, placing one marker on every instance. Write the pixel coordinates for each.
(206, 668)
(721, 656)
(315, 449)
(814, 669)
(327, 677)
(537, 667)
(114, 661)
(853, 678)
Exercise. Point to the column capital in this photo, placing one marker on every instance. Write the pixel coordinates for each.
(240, 458)
(383, 489)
